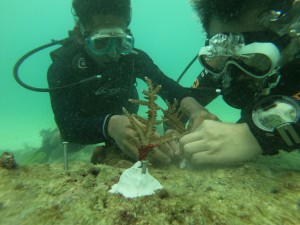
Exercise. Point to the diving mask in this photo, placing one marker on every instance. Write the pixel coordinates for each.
(257, 59)
(112, 42)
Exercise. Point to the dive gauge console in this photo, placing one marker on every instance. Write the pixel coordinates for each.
(278, 116)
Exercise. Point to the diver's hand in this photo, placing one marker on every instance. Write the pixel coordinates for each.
(127, 141)
(219, 143)
(171, 149)
(196, 112)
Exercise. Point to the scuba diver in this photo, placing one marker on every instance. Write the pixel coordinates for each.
(252, 55)
(93, 75)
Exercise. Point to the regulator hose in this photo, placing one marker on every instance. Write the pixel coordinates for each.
(28, 54)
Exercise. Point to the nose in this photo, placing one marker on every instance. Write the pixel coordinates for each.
(112, 52)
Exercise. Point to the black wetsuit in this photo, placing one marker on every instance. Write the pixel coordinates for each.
(82, 112)
(289, 85)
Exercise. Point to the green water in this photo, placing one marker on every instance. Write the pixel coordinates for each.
(167, 30)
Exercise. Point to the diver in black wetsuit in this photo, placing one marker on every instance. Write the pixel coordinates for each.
(252, 55)
(92, 112)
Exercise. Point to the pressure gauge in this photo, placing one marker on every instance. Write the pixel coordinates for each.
(279, 114)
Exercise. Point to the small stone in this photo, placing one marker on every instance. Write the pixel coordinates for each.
(7, 160)
(94, 171)
(274, 191)
(162, 193)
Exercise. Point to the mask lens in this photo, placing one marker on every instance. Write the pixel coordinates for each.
(124, 45)
(215, 64)
(258, 64)
(102, 44)
(257, 59)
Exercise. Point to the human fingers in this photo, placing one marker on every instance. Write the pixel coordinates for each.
(128, 143)
(166, 149)
(133, 140)
(194, 147)
(175, 147)
(188, 138)
(130, 150)
(206, 158)
(158, 156)
(198, 117)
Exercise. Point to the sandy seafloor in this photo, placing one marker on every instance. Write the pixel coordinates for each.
(263, 192)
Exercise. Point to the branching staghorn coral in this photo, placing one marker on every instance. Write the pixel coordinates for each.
(145, 128)
(173, 118)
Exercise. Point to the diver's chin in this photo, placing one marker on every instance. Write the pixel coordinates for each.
(106, 60)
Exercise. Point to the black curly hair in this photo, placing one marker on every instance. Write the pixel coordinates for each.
(226, 10)
(86, 9)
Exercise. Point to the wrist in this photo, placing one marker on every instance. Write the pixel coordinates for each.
(267, 141)
(107, 129)
(255, 143)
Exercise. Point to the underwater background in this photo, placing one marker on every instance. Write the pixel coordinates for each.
(264, 191)
(167, 30)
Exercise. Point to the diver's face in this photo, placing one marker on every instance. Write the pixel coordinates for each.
(248, 23)
(238, 87)
(102, 23)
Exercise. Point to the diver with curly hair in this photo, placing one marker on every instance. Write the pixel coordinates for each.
(252, 55)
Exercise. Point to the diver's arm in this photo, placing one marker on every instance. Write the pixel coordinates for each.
(206, 87)
(73, 125)
(170, 88)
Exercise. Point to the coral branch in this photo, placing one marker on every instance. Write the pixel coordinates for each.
(136, 127)
(145, 128)
(173, 118)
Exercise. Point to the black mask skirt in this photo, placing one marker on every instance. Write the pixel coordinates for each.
(240, 92)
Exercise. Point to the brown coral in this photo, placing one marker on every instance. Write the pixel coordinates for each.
(173, 118)
(145, 128)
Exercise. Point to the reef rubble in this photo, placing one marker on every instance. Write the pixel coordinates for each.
(263, 192)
